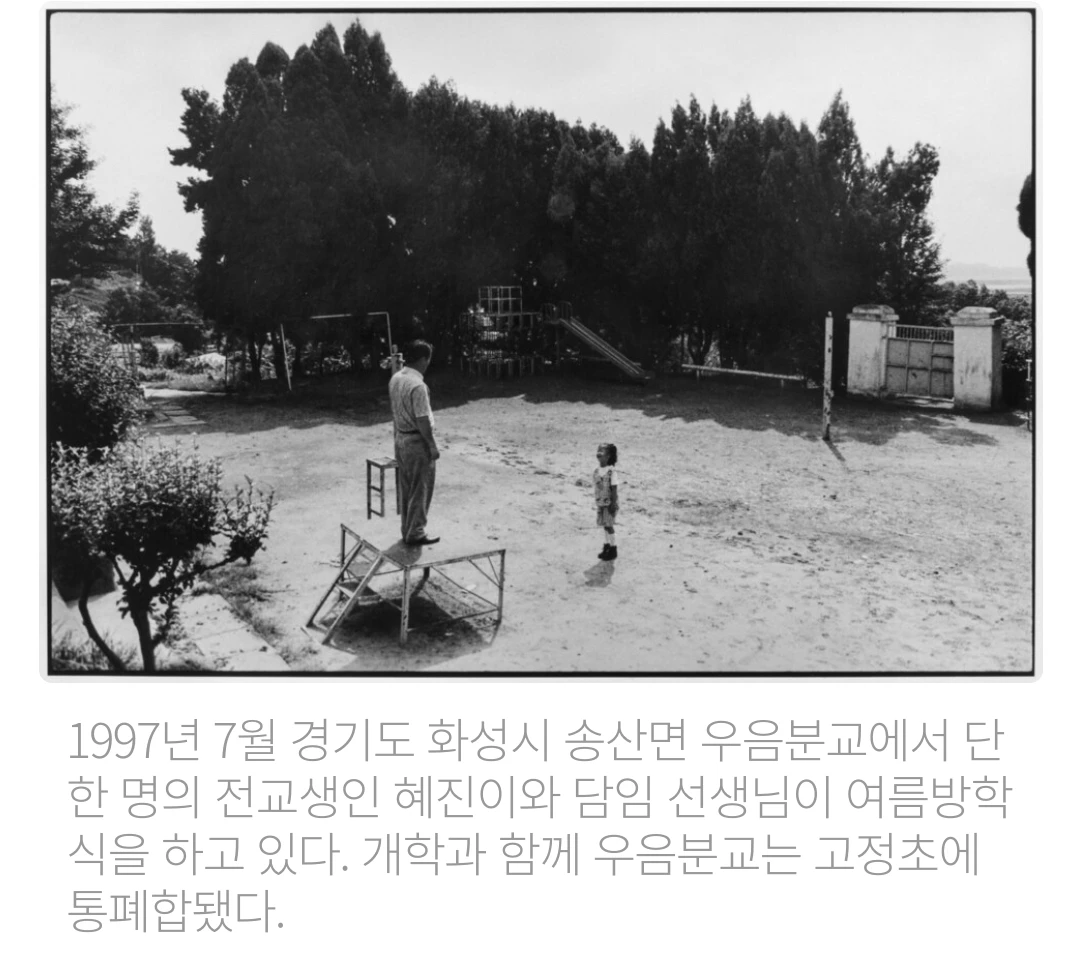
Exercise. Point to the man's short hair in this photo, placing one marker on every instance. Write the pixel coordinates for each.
(416, 350)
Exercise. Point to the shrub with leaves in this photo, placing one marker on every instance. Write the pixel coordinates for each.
(133, 305)
(153, 374)
(1016, 352)
(1016, 343)
(172, 357)
(1016, 329)
(93, 398)
(185, 328)
(148, 353)
(154, 511)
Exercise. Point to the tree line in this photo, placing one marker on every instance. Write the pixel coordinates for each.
(325, 187)
(88, 241)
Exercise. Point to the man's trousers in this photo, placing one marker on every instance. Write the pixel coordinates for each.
(416, 477)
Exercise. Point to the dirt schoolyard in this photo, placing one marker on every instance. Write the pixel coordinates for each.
(746, 543)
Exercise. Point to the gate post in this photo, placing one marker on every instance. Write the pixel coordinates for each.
(976, 358)
(867, 344)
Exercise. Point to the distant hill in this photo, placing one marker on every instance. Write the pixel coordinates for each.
(92, 293)
(960, 271)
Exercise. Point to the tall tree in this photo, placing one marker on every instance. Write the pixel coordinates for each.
(738, 167)
(846, 262)
(909, 268)
(685, 252)
(328, 187)
(170, 273)
(792, 297)
(83, 237)
(296, 220)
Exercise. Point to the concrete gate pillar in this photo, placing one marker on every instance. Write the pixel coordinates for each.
(868, 329)
(976, 358)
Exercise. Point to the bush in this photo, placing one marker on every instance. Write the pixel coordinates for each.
(148, 353)
(325, 358)
(197, 365)
(189, 338)
(1015, 331)
(135, 305)
(92, 398)
(185, 329)
(173, 357)
(1016, 344)
(152, 511)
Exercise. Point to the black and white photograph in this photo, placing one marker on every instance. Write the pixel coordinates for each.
(548, 342)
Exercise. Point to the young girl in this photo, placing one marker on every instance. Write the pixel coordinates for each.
(606, 488)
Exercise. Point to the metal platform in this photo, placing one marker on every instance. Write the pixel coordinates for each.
(361, 562)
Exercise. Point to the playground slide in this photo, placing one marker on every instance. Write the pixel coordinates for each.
(598, 344)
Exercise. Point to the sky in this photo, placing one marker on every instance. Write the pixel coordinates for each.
(961, 81)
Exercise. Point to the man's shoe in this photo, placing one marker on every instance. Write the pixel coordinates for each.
(425, 541)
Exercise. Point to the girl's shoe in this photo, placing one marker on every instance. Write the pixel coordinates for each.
(605, 553)
(613, 552)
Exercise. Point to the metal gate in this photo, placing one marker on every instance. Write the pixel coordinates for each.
(919, 361)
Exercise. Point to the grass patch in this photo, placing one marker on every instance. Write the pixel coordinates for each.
(93, 293)
(74, 652)
(241, 588)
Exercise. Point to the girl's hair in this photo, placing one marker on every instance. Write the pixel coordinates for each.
(612, 451)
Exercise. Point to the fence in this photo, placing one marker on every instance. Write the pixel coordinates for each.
(917, 333)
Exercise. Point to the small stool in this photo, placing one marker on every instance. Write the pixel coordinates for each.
(382, 465)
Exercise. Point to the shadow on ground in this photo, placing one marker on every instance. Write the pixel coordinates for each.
(372, 635)
(740, 403)
(599, 576)
(875, 422)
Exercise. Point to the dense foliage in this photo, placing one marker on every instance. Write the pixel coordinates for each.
(170, 274)
(92, 397)
(137, 312)
(325, 186)
(152, 512)
(1017, 346)
(83, 237)
(154, 293)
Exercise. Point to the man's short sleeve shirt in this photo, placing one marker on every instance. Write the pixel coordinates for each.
(409, 400)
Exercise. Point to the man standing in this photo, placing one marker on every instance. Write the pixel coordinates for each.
(414, 442)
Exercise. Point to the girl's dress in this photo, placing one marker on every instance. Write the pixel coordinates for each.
(603, 479)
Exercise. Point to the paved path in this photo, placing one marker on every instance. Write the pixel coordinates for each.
(166, 411)
(165, 408)
(167, 417)
(227, 642)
